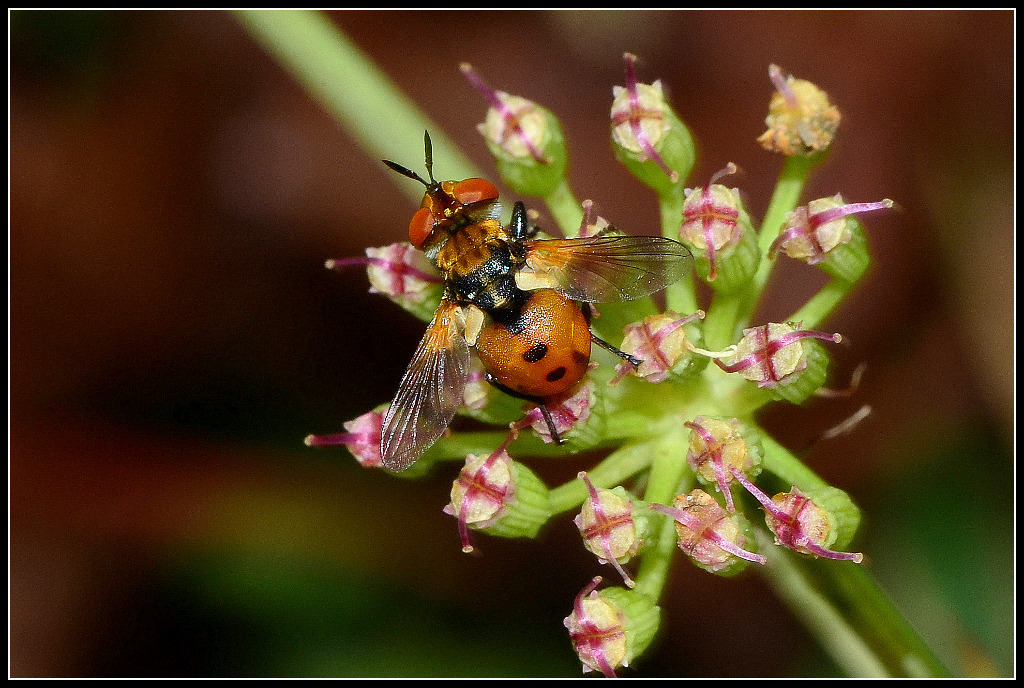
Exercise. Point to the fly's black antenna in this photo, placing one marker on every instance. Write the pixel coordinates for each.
(428, 155)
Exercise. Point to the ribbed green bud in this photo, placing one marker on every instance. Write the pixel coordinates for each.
(525, 175)
(843, 515)
(664, 343)
(497, 495)
(529, 509)
(850, 261)
(735, 263)
(825, 232)
(800, 385)
(675, 148)
(719, 446)
(783, 358)
(715, 540)
(717, 229)
(641, 619)
(579, 419)
(525, 139)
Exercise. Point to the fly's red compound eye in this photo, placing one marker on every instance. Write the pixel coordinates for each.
(473, 190)
(420, 227)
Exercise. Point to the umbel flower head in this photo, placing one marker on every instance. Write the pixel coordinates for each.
(677, 450)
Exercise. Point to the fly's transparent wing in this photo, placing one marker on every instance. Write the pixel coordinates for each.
(430, 391)
(605, 268)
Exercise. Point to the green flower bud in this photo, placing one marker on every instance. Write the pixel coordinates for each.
(719, 446)
(609, 629)
(647, 136)
(824, 232)
(610, 529)
(713, 539)
(781, 357)
(579, 418)
(717, 228)
(664, 343)
(498, 496)
(801, 524)
(525, 139)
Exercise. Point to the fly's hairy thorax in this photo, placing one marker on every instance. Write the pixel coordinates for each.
(478, 262)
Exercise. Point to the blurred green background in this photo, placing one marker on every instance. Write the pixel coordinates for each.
(174, 336)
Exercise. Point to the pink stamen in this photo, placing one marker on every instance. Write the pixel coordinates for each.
(714, 447)
(396, 268)
(331, 440)
(604, 526)
(782, 85)
(636, 114)
(705, 531)
(832, 214)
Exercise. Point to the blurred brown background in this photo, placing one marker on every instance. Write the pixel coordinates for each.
(174, 336)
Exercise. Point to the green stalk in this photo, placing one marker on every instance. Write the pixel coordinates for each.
(384, 121)
(843, 607)
(566, 210)
(680, 296)
(669, 476)
(821, 305)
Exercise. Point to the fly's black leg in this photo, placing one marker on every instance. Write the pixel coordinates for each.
(521, 227)
(535, 400)
(588, 314)
(629, 358)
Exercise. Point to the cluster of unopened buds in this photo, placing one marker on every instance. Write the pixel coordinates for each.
(686, 455)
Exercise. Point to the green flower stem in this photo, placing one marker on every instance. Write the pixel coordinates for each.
(781, 462)
(722, 320)
(821, 305)
(566, 210)
(818, 614)
(843, 607)
(384, 121)
(670, 475)
(784, 199)
(680, 296)
(615, 469)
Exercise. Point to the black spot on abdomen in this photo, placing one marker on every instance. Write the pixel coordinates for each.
(556, 374)
(535, 353)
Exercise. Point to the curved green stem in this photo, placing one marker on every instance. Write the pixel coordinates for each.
(670, 475)
(821, 305)
(566, 210)
(843, 607)
(367, 104)
(680, 296)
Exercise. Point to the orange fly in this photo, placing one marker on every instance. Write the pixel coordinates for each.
(511, 299)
